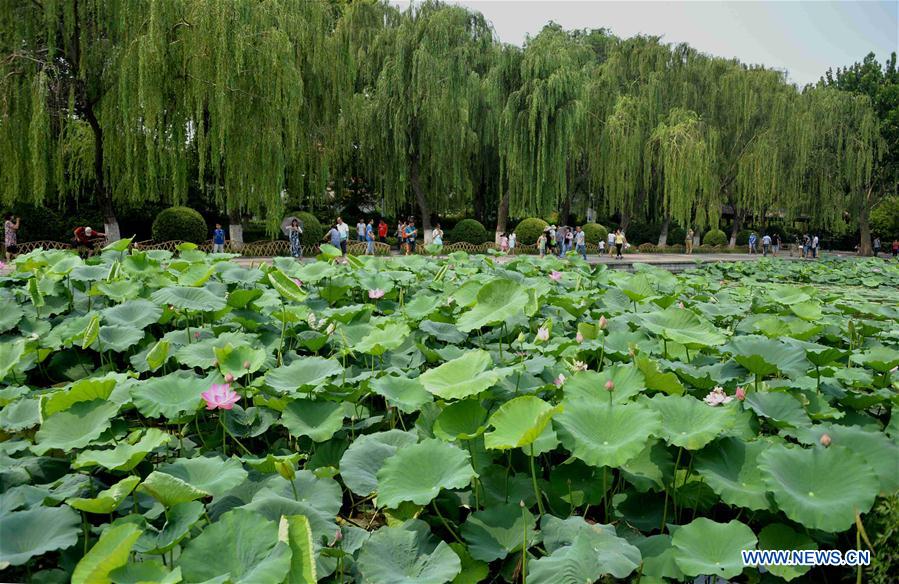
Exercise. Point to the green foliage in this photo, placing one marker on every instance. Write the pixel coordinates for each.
(470, 231)
(714, 237)
(180, 223)
(594, 232)
(885, 220)
(529, 230)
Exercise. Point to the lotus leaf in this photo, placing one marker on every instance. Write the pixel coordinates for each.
(605, 434)
(407, 555)
(705, 547)
(418, 472)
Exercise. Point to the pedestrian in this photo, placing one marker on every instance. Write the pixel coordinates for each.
(876, 247)
(344, 231)
(333, 235)
(766, 244)
(569, 239)
(370, 237)
(806, 245)
(360, 230)
(775, 244)
(620, 240)
(401, 236)
(752, 241)
(85, 240)
(551, 240)
(580, 240)
(503, 243)
(11, 226)
(437, 235)
(895, 248)
(602, 247)
(382, 231)
(815, 247)
(541, 243)
(294, 232)
(688, 241)
(411, 232)
(611, 241)
(218, 239)
(512, 240)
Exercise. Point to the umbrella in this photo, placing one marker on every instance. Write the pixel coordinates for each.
(285, 225)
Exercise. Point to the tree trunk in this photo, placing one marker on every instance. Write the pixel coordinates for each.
(565, 215)
(502, 215)
(235, 230)
(625, 221)
(421, 201)
(735, 228)
(103, 197)
(864, 226)
(663, 234)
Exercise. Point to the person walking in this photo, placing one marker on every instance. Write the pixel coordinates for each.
(437, 235)
(551, 240)
(370, 237)
(569, 240)
(294, 231)
(602, 247)
(876, 247)
(512, 240)
(411, 232)
(360, 230)
(620, 240)
(344, 231)
(11, 226)
(580, 241)
(541, 243)
(806, 246)
(766, 244)
(775, 244)
(611, 241)
(382, 231)
(401, 236)
(688, 241)
(752, 241)
(218, 239)
(895, 248)
(504, 243)
(815, 242)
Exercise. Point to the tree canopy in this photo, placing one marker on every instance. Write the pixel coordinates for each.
(257, 105)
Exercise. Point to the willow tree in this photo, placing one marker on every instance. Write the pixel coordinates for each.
(59, 73)
(414, 128)
(540, 124)
(846, 147)
(679, 165)
(227, 83)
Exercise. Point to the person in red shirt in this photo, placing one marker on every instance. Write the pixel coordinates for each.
(85, 238)
(382, 231)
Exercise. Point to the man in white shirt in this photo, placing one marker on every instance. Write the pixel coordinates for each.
(344, 230)
(766, 244)
(815, 246)
(360, 230)
(580, 242)
(611, 240)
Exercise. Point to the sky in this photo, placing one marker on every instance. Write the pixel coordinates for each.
(804, 38)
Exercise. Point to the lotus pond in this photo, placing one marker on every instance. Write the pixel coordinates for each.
(417, 420)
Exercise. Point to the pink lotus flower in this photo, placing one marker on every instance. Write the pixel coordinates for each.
(579, 337)
(197, 335)
(543, 334)
(556, 276)
(825, 440)
(220, 396)
(680, 305)
(610, 385)
(298, 282)
(229, 377)
(376, 293)
(717, 397)
(603, 323)
(558, 381)
(740, 393)
(2, 265)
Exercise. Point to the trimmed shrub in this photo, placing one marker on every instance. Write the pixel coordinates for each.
(313, 231)
(714, 237)
(594, 232)
(529, 230)
(646, 248)
(470, 231)
(180, 223)
(743, 237)
(676, 234)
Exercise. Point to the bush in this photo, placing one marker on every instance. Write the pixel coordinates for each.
(594, 232)
(529, 230)
(471, 231)
(313, 231)
(180, 223)
(676, 234)
(638, 232)
(714, 237)
(646, 248)
(743, 237)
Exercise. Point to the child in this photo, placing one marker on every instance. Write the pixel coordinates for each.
(541, 244)
(512, 239)
(602, 247)
(504, 243)
(218, 239)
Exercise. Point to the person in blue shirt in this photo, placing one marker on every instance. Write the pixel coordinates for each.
(218, 239)
(410, 233)
(752, 239)
(333, 235)
(370, 238)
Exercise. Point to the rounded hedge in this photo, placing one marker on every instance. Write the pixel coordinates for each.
(313, 231)
(470, 231)
(714, 237)
(594, 232)
(180, 223)
(529, 230)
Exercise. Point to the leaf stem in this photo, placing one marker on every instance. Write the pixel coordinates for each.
(534, 481)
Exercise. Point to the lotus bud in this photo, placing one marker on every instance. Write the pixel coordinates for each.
(285, 469)
(555, 276)
(680, 305)
(610, 385)
(297, 281)
(229, 377)
(215, 362)
(338, 535)
(331, 328)
(543, 334)
(825, 440)
(740, 393)
(579, 337)
(246, 364)
(603, 323)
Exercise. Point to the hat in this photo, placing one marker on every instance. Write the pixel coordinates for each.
(88, 230)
